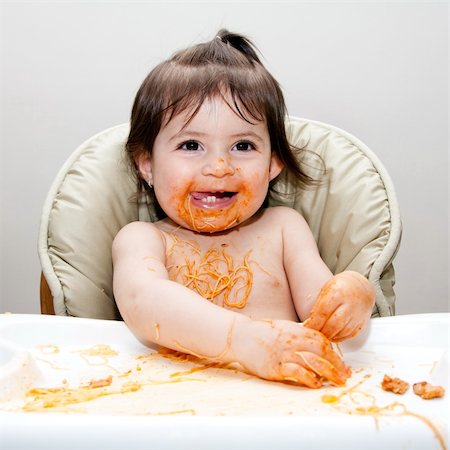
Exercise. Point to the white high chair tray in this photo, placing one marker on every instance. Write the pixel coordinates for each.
(135, 397)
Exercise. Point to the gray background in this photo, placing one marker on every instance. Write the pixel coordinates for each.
(377, 70)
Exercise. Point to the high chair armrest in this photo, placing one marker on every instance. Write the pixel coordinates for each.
(46, 297)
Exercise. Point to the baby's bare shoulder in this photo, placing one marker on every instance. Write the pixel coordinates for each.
(136, 229)
(283, 215)
(289, 221)
(137, 235)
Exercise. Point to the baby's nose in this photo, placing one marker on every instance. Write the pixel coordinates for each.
(218, 167)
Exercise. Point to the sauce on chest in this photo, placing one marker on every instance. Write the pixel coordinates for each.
(244, 274)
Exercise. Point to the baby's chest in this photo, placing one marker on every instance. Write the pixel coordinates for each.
(249, 277)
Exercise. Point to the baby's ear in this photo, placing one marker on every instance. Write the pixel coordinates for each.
(275, 167)
(144, 165)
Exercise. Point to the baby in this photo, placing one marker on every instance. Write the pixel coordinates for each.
(221, 276)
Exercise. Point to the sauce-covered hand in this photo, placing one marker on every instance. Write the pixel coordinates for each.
(343, 306)
(282, 350)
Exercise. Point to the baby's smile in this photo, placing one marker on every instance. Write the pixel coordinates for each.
(212, 199)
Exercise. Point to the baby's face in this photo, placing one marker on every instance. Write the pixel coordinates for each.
(213, 173)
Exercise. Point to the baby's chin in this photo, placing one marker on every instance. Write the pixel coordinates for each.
(208, 225)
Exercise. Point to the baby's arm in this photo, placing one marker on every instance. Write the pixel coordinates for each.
(339, 306)
(161, 311)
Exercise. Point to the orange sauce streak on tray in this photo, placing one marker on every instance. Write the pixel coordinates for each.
(392, 409)
(192, 412)
(54, 398)
(41, 399)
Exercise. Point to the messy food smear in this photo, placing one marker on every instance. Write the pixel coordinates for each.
(223, 278)
(215, 274)
(211, 220)
(98, 355)
(44, 399)
(355, 401)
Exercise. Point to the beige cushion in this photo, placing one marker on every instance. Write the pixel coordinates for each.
(353, 215)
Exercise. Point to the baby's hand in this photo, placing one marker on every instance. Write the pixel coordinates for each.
(287, 351)
(343, 307)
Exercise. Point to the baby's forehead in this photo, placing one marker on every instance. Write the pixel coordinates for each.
(203, 127)
(221, 109)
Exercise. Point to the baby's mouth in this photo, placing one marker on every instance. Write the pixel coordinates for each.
(212, 199)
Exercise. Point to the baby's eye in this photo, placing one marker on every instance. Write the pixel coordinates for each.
(189, 145)
(244, 146)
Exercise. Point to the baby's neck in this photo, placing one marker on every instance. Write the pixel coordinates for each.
(167, 225)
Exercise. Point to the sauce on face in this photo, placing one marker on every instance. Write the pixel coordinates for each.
(212, 219)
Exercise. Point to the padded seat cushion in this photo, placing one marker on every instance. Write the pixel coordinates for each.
(353, 215)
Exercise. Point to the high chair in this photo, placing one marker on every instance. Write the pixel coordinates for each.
(353, 214)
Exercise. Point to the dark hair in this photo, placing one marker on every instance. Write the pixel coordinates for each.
(228, 64)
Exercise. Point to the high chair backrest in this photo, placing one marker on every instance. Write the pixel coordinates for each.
(353, 215)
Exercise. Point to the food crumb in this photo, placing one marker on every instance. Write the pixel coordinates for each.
(329, 398)
(395, 385)
(427, 391)
(93, 384)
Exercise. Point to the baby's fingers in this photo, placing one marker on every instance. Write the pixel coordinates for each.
(324, 309)
(298, 374)
(337, 324)
(346, 334)
(324, 368)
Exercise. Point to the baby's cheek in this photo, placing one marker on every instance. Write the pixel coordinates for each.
(179, 199)
(254, 188)
(171, 196)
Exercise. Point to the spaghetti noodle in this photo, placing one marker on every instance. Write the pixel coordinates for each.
(214, 275)
(391, 409)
